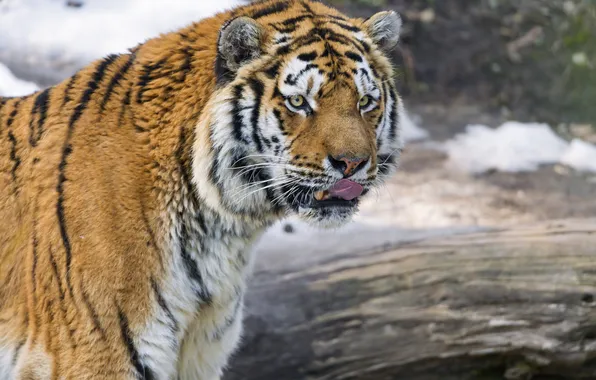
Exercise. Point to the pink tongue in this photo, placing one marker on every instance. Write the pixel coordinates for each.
(346, 189)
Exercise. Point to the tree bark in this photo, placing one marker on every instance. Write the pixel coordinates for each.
(506, 304)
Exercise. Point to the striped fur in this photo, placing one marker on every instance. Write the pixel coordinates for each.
(131, 194)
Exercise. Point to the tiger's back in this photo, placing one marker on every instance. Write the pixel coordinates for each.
(131, 193)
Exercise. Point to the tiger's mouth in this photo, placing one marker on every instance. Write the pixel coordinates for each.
(345, 194)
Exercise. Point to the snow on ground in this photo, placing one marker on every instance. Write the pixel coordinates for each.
(516, 147)
(13, 86)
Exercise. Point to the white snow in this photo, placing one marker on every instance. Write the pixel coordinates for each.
(517, 147)
(55, 39)
(581, 156)
(99, 27)
(410, 128)
(12, 86)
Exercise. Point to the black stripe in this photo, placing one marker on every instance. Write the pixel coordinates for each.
(282, 40)
(295, 20)
(56, 274)
(69, 88)
(40, 106)
(152, 239)
(183, 165)
(35, 244)
(307, 57)
(366, 74)
(13, 114)
(115, 81)
(92, 313)
(343, 40)
(143, 372)
(13, 156)
(340, 18)
(270, 10)
(273, 71)
(125, 106)
(376, 73)
(92, 86)
(220, 331)
(347, 27)
(365, 46)
(384, 163)
(163, 304)
(34, 258)
(394, 116)
(237, 123)
(280, 121)
(318, 33)
(3, 102)
(258, 89)
(186, 173)
(146, 77)
(60, 213)
(290, 25)
(293, 79)
(60, 292)
(214, 170)
(307, 7)
(353, 56)
(186, 66)
(330, 50)
(380, 134)
(17, 352)
(192, 269)
(283, 50)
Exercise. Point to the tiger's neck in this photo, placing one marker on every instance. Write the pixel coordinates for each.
(173, 102)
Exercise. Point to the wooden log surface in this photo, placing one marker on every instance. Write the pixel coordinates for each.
(516, 303)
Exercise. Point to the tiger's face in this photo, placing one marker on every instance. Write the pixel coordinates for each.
(308, 111)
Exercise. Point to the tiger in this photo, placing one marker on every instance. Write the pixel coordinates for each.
(133, 193)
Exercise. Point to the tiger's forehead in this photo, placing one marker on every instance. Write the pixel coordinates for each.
(316, 70)
(315, 48)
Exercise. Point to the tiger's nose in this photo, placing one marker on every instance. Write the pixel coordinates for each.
(348, 166)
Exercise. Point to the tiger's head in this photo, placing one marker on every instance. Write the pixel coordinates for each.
(305, 118)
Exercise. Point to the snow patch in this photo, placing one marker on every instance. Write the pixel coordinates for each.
(516, 147)
(581, 156)
(12, 86)
(49, 36)
(410, 128)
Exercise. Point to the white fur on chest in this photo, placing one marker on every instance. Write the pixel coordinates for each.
(190, 339)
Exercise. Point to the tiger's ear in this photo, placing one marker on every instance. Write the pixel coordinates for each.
(384, 29)
(239, 43)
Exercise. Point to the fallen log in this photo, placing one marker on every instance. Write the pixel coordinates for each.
(502, 304)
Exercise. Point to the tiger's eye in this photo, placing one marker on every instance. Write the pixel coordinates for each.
(297, 101)
(365, 101)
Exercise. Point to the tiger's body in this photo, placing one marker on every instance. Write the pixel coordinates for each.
(131, 194)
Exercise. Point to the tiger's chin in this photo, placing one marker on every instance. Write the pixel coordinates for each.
(333, 215)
